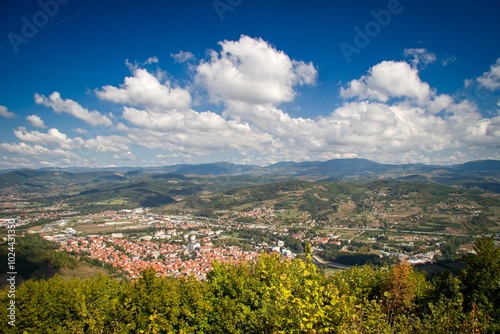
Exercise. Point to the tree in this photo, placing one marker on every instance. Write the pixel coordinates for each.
(481, 279)
(401, 292)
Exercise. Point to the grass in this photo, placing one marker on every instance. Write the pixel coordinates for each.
(114, 201)
(96, 229)
(330, 271)
(84, 270)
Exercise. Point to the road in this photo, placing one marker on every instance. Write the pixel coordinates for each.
(317, 260)
(396, 231)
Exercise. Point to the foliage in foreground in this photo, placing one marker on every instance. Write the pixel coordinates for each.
(268, 296)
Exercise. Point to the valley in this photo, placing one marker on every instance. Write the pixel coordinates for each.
(192, 219)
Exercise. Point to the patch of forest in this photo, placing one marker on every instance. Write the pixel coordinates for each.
(36, 257)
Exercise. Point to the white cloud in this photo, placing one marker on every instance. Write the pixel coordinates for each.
(121, 127)
(417, 125)
(103, 144)
(468, 83)
(388, 115)
(389, 79)
(36, 121)
(54, 101)
(151, 60)
(55, 138)
(80, 131)
(182, 56)
(17, 161)
(34, 150)
(395, 116)
(125, 156)
(145, 90)
(420, 57)
(5, 113)
(52, 138)
(491, 78)
(187, 121)
(251, 70)
(356, 128)
(190, 131)
(24, 155)
(439, 102)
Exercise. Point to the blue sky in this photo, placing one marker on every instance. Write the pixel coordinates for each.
(119, 83)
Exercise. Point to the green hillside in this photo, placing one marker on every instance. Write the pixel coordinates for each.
(425, 207)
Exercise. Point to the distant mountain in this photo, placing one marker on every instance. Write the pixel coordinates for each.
(24, 180)
(293, 164)
(26, 176)
(335, 168)
(141, 193)
(169, 176)
(218, 168)
(332, 167)
(349, 167)
(483, 174)
(478, 166)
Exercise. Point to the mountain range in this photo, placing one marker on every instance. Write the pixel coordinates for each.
(484, 174)
(334, 167)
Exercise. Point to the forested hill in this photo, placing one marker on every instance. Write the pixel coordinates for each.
(268, 296)
(475, 174)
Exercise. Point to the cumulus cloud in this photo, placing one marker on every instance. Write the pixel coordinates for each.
(17, 161)
(93, 143)
(389, 114)
(151, 60)
(491, 78)
(251, 70)
(36, 121)
(198, 133)
(182, 56)
(395, 116)
(358, 128)
(174, 121)
(103, 144)
(6, 113)
(80, 131)
(125, 156)
(389, 79)
(420, 57)
(193, 133)
(34, 150)
(438, 103)
(54, 101)
(52, 138)
(143, 89)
